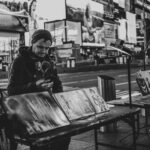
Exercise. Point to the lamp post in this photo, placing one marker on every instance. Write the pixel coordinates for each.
(145, 36)
(129, 56)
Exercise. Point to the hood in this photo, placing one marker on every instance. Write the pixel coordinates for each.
(27, 52)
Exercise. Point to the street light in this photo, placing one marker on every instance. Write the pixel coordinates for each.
(119, 47)
(145, 36)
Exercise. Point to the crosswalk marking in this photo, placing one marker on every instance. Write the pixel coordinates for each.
(125, 94)
(123, 83)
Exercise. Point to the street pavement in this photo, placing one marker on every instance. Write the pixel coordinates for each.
(120, 136)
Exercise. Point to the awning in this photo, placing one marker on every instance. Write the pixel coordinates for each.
(13, 21)
(112, 21)
(120, 50)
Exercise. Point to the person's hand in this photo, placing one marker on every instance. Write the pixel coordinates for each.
(47, 85)
(44, 84)
(39, 82)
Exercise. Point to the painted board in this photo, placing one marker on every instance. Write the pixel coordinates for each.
(38, 111)
(75, 104)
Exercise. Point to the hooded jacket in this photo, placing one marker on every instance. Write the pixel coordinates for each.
(24, 74)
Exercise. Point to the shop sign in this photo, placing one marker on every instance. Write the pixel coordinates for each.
(64, 46)
(137, 49)
(130, 46)
(131, 27)
(110, 34)
(109, 30)
(64, 53)
(122, 29)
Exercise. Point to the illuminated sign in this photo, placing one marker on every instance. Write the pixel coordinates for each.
(109, 30)
(63, 31)
(90, 14)
(64, 53)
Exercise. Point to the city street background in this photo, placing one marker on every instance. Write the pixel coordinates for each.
(89, 79)
(98, 34)
(77, 80)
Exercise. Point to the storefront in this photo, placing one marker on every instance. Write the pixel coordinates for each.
(142, 22)
(12, 28)
(94, 26)
(66, 39)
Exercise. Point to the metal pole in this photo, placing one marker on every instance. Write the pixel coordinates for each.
(129, 80)
(145, 38)
(66, 36)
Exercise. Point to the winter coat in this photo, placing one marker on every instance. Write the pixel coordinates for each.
(24, 74)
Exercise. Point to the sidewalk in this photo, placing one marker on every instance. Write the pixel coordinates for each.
(122, 136)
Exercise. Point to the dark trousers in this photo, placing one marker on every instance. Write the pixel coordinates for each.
(60, 145)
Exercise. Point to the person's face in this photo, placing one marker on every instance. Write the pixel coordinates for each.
(41, 47)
